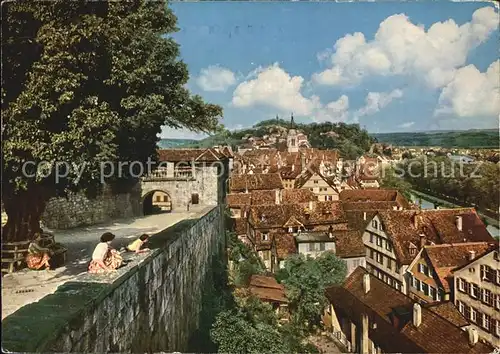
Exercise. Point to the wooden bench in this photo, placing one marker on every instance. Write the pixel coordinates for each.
(13, 255)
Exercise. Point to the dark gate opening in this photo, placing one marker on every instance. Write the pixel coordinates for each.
(195, 199)
(156, 202)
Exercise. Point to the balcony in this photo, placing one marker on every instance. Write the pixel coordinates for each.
(179, 174)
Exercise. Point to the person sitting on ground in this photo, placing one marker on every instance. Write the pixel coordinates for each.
(38, 257)
(105, 258)
(137, 244)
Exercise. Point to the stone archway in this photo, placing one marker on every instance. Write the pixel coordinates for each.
(156, 201)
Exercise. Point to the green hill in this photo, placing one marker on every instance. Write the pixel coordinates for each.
(487, 138)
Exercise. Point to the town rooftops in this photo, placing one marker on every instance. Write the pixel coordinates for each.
(446, 257)
(348, 243)
(407, 227)
(270, 197)
(277, 216)
(374, 195)
(257, 181)
(188, 155)
(267, 288)
(392, 311)
(449, 311)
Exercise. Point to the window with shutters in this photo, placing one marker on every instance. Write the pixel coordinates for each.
(486, 322)
(473, 315)
(432, 292)
(461, 307)
(417, 284)
(474, 291)
(321, 246)
(497, 301)
(379, 241)
(486, 296)
(497, 328)
(467, 311)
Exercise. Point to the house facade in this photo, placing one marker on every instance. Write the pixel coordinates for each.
(368, 316)
(477, 294)
(393, 238)
(431, 272)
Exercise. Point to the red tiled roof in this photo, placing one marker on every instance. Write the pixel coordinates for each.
(267, 288)
(374, 195)
(186, 155)
(275, 216)
(292, 196)
(255, 182)
(438, 226)
(448, 311)
(238, 199)
(285, 245)
(435, 334)
(349, 243)
(445, 257)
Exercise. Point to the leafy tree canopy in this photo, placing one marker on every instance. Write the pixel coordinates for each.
(305, 280)
(89, 84)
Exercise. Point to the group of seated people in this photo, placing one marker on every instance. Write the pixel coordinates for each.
(106, 259)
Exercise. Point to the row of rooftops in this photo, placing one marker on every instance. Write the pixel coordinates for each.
(409, 229)
(202, 155)
(397, 323)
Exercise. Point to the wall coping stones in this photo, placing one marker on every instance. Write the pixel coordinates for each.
(36, 326)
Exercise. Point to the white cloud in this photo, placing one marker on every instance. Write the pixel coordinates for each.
(335, 111)
(472, 93)
(407, 125)
(403, 48)
(274, 87)
(375, 101)
(172, 133)
(215, 78)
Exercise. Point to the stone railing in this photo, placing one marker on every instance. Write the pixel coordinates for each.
(151, 306)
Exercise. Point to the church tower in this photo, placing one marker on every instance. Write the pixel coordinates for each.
(291, 139)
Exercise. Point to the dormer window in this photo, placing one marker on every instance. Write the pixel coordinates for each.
(265, 237)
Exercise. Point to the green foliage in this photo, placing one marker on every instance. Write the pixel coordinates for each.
(252, 327)
(246, 263)
(466, 184)
(305, 280)
(390, 180)
(87, 82)
(351, 140)
(448, 139)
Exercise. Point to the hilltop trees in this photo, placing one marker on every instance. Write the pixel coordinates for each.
(86, 83)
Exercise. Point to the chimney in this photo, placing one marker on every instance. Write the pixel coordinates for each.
(311, 205)
(473, 336)
(395, 207)
(277, 198)
(458, 220)
(417, 315)
(366, 283)
(472, 255)
(422, 240)
(364, 215)
(293, 167)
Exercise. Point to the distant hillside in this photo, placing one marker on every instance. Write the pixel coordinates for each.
(174, 143)
(349, 139)
(487, 138)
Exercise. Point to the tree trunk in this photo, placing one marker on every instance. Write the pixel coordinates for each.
(24, 210)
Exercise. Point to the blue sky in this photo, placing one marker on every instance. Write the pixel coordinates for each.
(389, 66)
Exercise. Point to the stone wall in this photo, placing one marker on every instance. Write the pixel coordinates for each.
(151, 306)
(209, 183)
(78, 210)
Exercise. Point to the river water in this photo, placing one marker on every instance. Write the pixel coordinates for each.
(426, 204)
